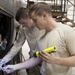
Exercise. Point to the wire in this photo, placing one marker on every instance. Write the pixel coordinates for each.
(71, 3)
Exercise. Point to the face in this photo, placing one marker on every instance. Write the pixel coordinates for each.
(26, 22)
(39, 21)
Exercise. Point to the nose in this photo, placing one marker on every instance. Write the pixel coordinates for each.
(35, 24)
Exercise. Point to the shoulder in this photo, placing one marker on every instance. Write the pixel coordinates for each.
(65, 27)
(66, 31)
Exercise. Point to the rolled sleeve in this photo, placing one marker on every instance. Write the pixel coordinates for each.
(17, 46)
(70, 40)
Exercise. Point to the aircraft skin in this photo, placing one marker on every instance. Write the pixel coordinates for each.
(7, 12)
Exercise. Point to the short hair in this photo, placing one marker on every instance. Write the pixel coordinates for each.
(39, 8)
(22, 13)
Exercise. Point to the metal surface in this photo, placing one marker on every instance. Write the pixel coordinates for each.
(7, 6)
(7, 11)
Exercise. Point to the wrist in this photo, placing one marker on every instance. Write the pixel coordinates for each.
(3, 61)
(17, 67)
(58, 61)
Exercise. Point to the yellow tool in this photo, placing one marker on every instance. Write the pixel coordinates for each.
(48, 50)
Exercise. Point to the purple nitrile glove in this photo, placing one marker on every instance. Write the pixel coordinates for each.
(2, 62)
(3, 46)
(9, 69)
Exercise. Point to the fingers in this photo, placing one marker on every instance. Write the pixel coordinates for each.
(0, 60)
(8, 69)
(43, 55)
(0, 67)
(5, 68)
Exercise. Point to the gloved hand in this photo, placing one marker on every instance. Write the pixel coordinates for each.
(2, 62)
(0, 65)
(9, 69)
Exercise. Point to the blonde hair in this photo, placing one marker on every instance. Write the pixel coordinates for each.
(39, 8)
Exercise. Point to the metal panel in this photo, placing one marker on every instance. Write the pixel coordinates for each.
(8, 6)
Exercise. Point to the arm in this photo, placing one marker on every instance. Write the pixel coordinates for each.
(15, 49)
(52, 59)
(27, 64)
(70, 61)
(70, 46)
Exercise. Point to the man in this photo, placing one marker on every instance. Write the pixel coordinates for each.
(27, 31)
(3, 43)
(59, 35)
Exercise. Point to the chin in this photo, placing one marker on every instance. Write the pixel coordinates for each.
(23, 26)
(40, 28)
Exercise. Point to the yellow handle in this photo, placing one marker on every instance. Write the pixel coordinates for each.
(48, 50)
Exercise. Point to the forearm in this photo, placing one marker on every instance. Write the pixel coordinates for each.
(14, 50)
(10, 55)
(28, 63)
(70, 61)
(17, 46)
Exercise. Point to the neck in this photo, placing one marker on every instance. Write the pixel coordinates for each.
(51, 24)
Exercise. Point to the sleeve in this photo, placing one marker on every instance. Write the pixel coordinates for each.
(70, 40)
(17, 46)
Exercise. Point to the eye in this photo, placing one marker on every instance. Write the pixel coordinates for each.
(30, 17)
(34, 20)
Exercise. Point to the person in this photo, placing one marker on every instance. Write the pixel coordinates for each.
(59, 35)
(3, 43)
(27, 31)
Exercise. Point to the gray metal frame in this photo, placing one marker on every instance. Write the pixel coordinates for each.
(7, 8)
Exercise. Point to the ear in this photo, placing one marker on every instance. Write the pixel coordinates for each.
(44, 15)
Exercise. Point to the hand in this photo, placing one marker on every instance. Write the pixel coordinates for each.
(2, 62)
(49, 58)
(0, 65)
(9, 69)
